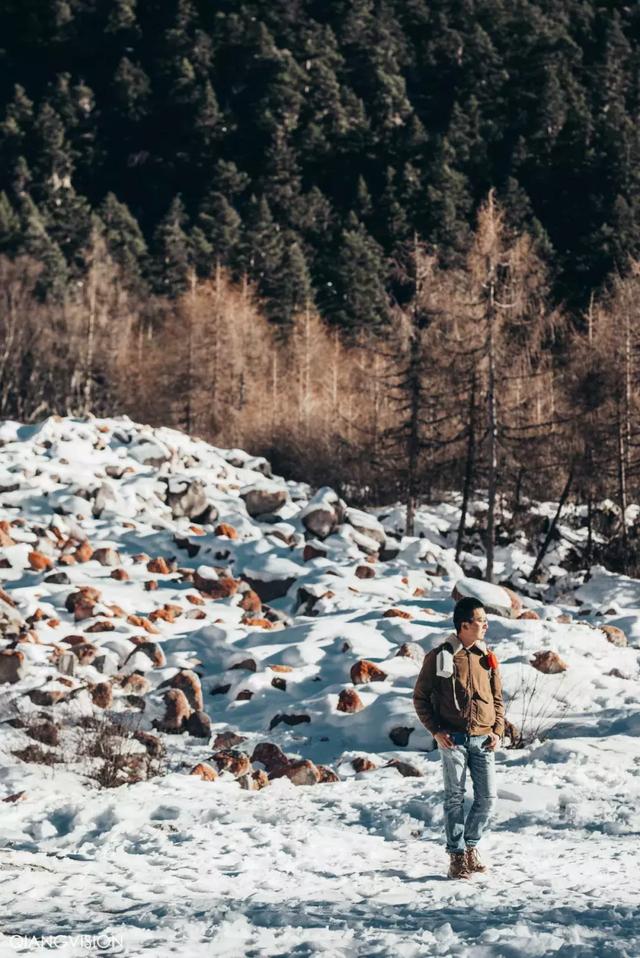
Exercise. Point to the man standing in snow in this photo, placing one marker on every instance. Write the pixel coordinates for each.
(458, 698)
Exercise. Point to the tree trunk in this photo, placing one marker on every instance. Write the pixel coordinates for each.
(493, 431)
(622, 488)
(415, 397)
(552, 527)
(188, 407)
(468, 469)
(589, 554)
(91, 329)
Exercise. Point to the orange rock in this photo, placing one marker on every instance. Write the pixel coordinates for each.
(195, 599)
(102, 695)
(257, 623)
(189, 683)
(529, 614)
(53, 623)
(165, 614)
(67, 560)
(199, 725)
(548, 662)
(5, 539)
(248, 665)
(205, 772)
(107, 556)
(349, 701)
(223, 529)
(251, 601)
(411, 650)
(151, 649)
(141, 622)
(103, 625)
(39, 562)
(83, 611)
(396, 614)
(197, 530)
(7, 598)
(302, 772)
(11, 662)
(260, 778)
(45, 697)
(269, 755)
(150, 585)
(85, 595)
(121, 575)
(158, 566)
(364, 671)
(74, 640)
(228, 740)
(232, 760)
(29, 638)
(327, 774)
(361, 764)
(135, 683)
(419, 592)
(216, 588)
(177, 711)
(311, 552)
(84, 552)
(85, 652)
(281, 668)
(173, 607)
(614, 635)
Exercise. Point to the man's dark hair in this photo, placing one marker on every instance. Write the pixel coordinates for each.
(464, 610)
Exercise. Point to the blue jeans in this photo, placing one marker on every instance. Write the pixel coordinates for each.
(468, 753)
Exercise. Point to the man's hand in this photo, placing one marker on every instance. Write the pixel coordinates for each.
(492, 742)
(444, 740)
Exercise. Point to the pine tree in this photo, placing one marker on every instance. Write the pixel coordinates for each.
(122, 20)
(360, 299)
(123, 239)
(262, 247)
(171, 260)
(54, 276)
(293, 292)
(220, 228)
(132, 89)
(9, 226)
(16, 127)
(53, 154)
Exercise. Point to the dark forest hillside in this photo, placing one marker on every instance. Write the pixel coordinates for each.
(301, 143)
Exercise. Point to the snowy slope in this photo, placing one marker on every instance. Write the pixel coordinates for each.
(269, 598)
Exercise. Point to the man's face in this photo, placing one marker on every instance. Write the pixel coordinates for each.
(474, 631)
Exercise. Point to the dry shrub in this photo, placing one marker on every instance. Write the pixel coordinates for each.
(113, 755)
(540, 709)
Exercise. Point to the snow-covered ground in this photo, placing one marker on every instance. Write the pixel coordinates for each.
(214, 577)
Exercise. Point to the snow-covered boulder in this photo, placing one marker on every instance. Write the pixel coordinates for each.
(496, 599)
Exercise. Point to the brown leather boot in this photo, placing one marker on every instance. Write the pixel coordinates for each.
(472, 861)
(458, 866)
